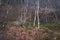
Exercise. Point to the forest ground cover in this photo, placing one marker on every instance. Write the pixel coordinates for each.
(45, 32)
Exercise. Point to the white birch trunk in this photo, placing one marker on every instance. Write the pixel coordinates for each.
(34, 19)
(38, 13)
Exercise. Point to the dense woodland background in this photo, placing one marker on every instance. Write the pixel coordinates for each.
(13, 10)
(19, 19)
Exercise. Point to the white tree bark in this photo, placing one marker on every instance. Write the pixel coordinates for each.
(34, 19)
(26, 10)
(38, 13)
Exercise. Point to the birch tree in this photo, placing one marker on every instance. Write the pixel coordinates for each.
(37, 14)
(34, 19)
(25, 13)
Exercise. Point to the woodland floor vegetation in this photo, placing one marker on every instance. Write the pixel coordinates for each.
(49, 31)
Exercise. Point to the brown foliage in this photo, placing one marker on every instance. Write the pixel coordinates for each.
(16, 33)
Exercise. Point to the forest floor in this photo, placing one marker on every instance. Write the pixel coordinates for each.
(21, 33)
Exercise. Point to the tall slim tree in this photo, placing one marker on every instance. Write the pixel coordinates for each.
(37, 14)
(34, 23)
(26, 10)
(34, 19)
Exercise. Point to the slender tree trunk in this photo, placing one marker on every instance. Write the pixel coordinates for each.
(8, 15)
(25, 12)
(34, 19)
(46, 11)
(21, 18)
(38, 13)
(56, 19)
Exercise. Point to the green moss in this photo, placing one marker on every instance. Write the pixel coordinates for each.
(52, 26)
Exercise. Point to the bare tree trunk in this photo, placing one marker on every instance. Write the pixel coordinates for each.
(25, 12)
(56, 19)
(38, 13)
(46, 10)
(21, 18)
(34, 19)
(46, 14)
(8, 13)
